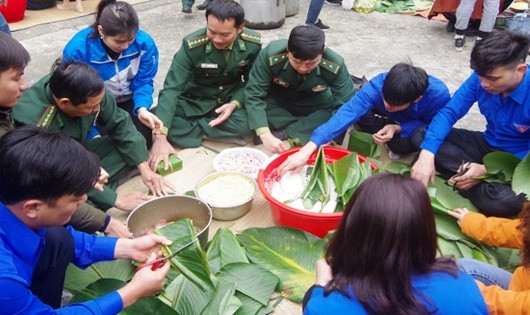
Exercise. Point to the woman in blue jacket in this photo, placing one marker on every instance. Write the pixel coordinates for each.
(126, 58)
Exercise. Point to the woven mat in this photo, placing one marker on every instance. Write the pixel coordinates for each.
(39, 17)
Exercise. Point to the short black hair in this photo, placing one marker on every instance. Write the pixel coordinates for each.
(500, 49)
(116, 18)
(12, 54)
(306, 42)
(404, 83)
(75, 80)
(43, 164)
(224, 10)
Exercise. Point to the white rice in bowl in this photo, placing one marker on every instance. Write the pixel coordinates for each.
(226, 189)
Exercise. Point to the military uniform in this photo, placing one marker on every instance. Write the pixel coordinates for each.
(202, 78)
(278, 97)
(124, 147)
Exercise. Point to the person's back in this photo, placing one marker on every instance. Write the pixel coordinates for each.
(382, 258)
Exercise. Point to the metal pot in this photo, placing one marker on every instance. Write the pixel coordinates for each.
(222, 210)
(171, 208)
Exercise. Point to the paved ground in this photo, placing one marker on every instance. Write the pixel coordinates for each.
(370, 43)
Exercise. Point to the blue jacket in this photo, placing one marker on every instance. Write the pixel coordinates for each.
(131, 75)
(371, 97)
(507, 119)
(20, 249)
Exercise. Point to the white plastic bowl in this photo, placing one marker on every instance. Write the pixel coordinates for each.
(243, 160)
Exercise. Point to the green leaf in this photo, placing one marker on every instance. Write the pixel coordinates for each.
(449, 198)
(363, 143)
(520, 182)
(185, 297)
(175, 164)
(288, 253)
(224, 249)
(251, 306)
(317, 187)
(77, 279)
(224, 301)
(500, 165)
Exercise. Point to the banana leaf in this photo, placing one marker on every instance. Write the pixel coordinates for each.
(448, 198)
(224, 249)
(317, 187)
(190, 261)
(508, 258)
(500, 165)
(288, 253)
(185, 297)
(520, 182)
(148, 305)
(396, 168)
(77, 279)
(224, 301)
(251, 307)
(363, 143)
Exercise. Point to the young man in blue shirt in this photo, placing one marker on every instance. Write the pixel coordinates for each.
(500, 85)
(391, 106)
(39, 191)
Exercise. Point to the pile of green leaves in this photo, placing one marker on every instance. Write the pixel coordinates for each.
(403, 6)
(218, 281)
(506, 168)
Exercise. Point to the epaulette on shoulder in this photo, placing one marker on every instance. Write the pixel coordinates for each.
(330, 66)
(197, 41)
(47, 117)
(252, 37)
(276, 59)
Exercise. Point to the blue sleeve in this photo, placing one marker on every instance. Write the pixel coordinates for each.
(75, 49)
(350, 112)
(142, 85)
(431, 102)
(90, 248)
(455, 109)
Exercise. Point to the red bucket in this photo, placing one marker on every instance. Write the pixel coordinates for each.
(14, 10)
(318, 224)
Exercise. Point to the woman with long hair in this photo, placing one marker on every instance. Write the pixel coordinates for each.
(126, 58)
(382, 258)
(504, 293)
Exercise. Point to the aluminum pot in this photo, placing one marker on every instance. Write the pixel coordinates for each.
(171, 208)
(223, 209)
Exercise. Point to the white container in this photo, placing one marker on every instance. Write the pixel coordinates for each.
(292, 7)
(263, 14)
(347, 4)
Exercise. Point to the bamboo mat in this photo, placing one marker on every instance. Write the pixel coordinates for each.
(50, 15)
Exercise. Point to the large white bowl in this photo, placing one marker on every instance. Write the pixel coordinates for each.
(243, 160)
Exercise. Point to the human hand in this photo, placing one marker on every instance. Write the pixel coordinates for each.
(295, 162)
(423, 169)
(149, 119)
(130, 201)
(459, 214)
(139, 249)
(145, 282)
(323, 272)
(468, 175)
(102, 180)
(155, 182)
(117, 229)
(273, 144)
(160, 151)
(386, 133)
(224, 113)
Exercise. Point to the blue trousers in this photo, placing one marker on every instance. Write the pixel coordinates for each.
(314, 11)
(4, 27)
(485, 273)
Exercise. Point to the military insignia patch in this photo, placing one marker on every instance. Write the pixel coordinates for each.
(521, 128)
(197, 41)
(319, 88)
(280, 82)
(47, 117)
(276, 59)
(330, 66)
(252, 37)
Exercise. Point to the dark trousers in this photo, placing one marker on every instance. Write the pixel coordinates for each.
(48, 277)
(372, 122)
(494, 199)
(128, 106)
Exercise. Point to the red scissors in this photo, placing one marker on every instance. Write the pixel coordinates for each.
(159, 262)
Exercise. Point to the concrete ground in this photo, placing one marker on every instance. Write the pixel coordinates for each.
(370, 43)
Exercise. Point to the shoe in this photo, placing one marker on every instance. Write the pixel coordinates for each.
(460, 41)
(450, 28)
(280, 134)
(321, 25)
(203, 6)
(334, 2)
(186, 8)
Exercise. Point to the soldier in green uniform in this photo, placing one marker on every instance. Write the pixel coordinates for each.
(294, 87)
(203, 93)
(13, 60)
(71, 100)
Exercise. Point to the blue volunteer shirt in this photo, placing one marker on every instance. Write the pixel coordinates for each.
(371, 97)
(20, 249)
(507, 119)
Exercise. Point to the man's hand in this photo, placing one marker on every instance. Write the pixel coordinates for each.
(130, 201)
(155, 182)
(386, 133)
(149, 119)
(160, 151)
(468, 178)
(323, 272)
(139, 249)
(458, 213)
(102, 180)
(273, 144)
(224, 113)
(295, 162)
(423, 169)
(117, 229)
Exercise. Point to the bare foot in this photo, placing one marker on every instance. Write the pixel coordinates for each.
(64, 6)
(78, 6)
